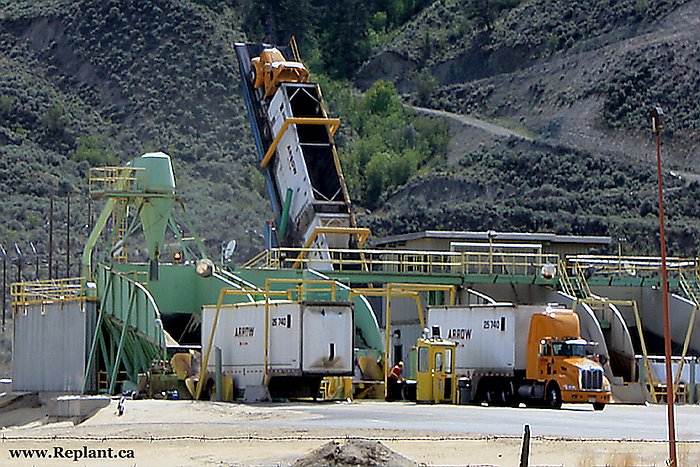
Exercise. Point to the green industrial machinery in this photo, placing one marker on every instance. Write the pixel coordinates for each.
(139, 197)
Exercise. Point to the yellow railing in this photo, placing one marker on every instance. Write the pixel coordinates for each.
(406, 261)
(633, 265)
(58, 290)
(564, 279)
(260, 260)
(115, 179)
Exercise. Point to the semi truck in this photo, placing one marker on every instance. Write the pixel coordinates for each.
(523, 354)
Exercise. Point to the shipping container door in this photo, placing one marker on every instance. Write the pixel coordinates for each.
(285, 345)
(327, 339)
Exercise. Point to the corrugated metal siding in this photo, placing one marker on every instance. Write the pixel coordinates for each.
(50, 346)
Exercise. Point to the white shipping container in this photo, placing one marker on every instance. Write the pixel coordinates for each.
(488, 337)
(304, 338)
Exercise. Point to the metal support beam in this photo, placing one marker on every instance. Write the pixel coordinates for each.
(331, 123)
(117, 358)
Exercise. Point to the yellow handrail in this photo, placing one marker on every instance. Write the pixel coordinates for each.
(115, 179)
(407, 261)
(52, 290)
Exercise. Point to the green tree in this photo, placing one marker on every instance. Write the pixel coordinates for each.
(95, 150)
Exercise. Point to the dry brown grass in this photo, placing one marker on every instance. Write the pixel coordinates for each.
(617, 459)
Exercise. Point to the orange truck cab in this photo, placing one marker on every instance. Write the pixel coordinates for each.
(558, 361)
(270, 69)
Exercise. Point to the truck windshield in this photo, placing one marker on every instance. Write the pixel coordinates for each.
(563, 349)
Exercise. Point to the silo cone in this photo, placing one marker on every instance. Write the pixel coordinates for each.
(158, 180)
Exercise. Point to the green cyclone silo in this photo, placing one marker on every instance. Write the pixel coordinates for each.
(158, 182)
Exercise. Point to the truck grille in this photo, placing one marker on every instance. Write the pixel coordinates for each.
(591, 380)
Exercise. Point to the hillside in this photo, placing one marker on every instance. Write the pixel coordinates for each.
(93, 83)
(576, 77)
(576, 73)
(86, 83)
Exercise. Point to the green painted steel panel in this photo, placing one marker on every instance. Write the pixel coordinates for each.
(179, 289)
(364, 277)
(158, 175)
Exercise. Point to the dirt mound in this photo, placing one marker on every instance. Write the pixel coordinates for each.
(353, 452)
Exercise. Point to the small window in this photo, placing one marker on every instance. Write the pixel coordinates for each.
(448, 361)
(546, 350)
(438, 361)
(423, 359)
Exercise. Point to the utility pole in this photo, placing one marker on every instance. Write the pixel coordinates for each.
(36, 261)
(4, 284)
(657, 125)
(68, 240)
(50, 237)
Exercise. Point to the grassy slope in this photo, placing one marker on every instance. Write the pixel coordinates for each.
(137, 76)
(525, 187)
(579, 77)
(160, 75)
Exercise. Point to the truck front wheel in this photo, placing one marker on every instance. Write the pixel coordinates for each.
(553, 397)
(598, 405)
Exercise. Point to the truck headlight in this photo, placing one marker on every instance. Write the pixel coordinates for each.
(569, 387)
(606, 388)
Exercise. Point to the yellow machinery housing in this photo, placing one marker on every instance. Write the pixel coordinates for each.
(271, 68)
(435, 375)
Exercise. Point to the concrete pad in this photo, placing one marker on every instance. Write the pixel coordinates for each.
(257, 394)
(75, 407)
(629, 393)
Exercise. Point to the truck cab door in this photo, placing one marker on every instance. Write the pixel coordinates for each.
(546, 360)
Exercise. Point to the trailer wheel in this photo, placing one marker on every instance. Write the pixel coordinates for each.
(598, 405)
(553, 397)
(509, 396)
(491, 396)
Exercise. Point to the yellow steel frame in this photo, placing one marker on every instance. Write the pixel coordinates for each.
(685, 285)
(362, 234)
(638, 322)
(114, 179)
(580, 275)
(619, 264)
(401, 290)
(52, 290)
(331, 123)
(295, 49)
(565, 280)
(300, 289)
(614, 264)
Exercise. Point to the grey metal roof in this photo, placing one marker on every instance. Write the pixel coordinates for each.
(496, 236)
